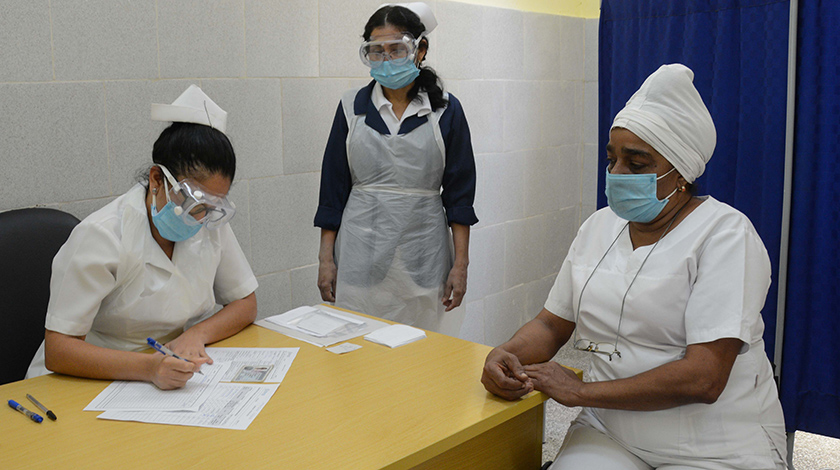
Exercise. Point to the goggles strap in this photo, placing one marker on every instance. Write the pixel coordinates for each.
(169, 176)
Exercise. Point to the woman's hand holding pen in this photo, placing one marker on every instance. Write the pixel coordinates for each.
(171, 373)
(189, 346)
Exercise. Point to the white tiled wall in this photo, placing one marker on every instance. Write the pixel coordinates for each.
(594, 160)
(77, 78)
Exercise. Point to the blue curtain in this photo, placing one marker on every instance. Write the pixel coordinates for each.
(738, 52)
(810, 388)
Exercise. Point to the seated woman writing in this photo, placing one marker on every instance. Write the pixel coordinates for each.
(665, 289)
(154, 261)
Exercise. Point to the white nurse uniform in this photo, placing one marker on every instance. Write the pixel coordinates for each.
(113, 284)
(706, 280)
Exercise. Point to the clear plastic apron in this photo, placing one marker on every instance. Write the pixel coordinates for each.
(394, 249)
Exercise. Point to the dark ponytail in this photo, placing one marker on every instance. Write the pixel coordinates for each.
(429, 82)
(406, 20)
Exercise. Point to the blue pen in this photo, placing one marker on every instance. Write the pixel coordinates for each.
(166, 351)
(17, 406)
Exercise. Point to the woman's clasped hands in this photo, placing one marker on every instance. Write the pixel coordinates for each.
(505, 376)
(556, 381)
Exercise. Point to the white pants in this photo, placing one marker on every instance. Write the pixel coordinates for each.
(587, 448)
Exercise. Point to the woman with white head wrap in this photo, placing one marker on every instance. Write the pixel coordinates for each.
(668, 113)
(665, 289)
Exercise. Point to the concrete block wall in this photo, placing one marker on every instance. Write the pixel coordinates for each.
(77, 78)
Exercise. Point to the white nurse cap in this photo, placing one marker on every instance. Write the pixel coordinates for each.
(192, 106)
(427, 17)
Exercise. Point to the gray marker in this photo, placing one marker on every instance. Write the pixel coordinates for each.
(43, 408)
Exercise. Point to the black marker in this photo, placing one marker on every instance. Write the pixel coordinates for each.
(43, 408)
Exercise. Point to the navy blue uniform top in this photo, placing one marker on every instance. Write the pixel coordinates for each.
(458, 173)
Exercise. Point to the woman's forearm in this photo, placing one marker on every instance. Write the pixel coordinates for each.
(461, 241)
(71, 355)
(226, 322)
(327, 249)
(539, 339)
(699, 377)
(327, 271)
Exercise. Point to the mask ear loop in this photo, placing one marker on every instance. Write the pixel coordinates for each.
(672, 192)
(165, 192)
(666, 173)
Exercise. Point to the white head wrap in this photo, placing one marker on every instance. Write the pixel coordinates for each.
(668, 113)
(192, 106)
(427, 17)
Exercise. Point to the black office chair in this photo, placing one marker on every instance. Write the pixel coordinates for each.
(29, 240)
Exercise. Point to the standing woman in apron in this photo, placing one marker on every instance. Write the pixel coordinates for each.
(398, 174)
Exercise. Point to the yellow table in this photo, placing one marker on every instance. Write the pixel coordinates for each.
(417, 406)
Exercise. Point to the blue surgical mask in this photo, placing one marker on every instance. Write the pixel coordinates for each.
(169, 225)
(633, 197)
(395, 76)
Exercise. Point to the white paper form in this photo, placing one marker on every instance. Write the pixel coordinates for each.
(281, 358)
(144, 396)
(231, 406)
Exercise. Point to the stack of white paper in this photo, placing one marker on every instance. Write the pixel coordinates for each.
(230, 406)
(315, 321)
(320, 325)
(143, 396)
(396, 335)
(204, 401)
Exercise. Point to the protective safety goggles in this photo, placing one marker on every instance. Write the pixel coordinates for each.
(195, 204)
(399, 49)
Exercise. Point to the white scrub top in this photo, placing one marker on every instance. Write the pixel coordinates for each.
(420, 106)
(112, 283)
(706, 280)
